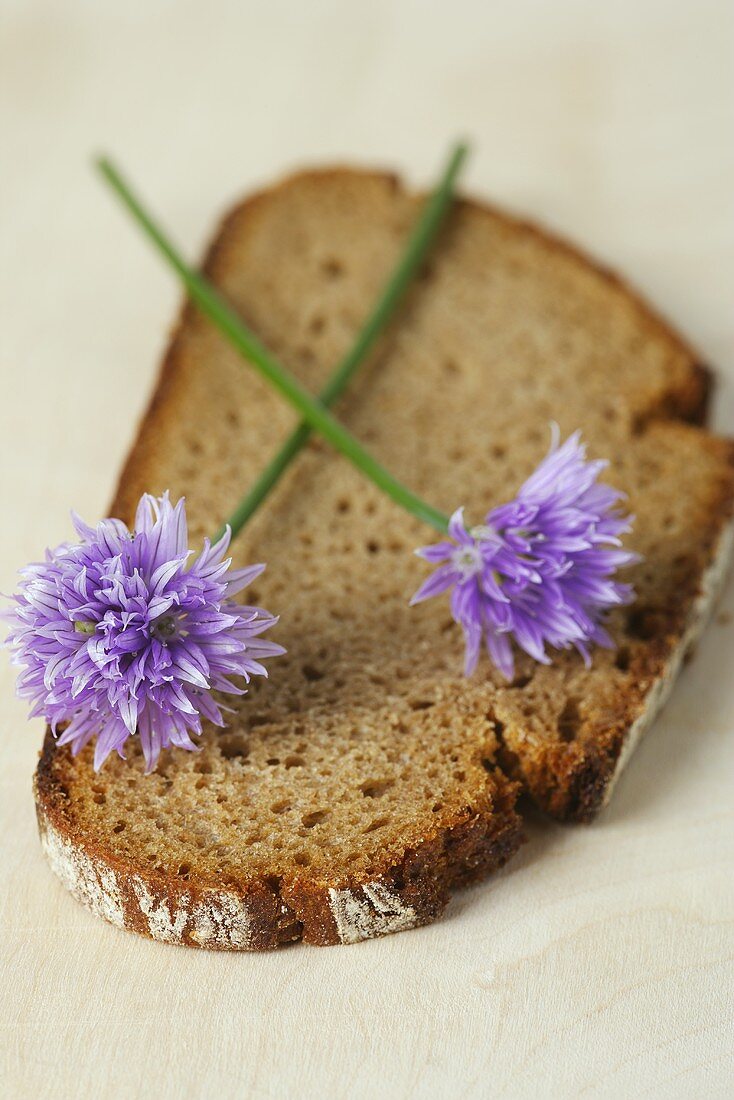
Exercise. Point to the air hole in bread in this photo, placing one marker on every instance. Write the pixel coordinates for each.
(522, 680)
(375, 788)
(233, 746)
(378, 823)
(622, 658)
(569, 720)
(312, 673)
(309, 821)
(332, 267)
(254, 720)
(641, 624)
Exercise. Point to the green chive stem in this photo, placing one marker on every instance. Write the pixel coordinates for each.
(313, 411)
(419, 242)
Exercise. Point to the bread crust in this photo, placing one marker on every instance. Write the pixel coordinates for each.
(267, 913)
(260, 914)
(576, 783)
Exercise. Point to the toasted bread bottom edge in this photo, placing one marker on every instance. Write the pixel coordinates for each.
(268, 913)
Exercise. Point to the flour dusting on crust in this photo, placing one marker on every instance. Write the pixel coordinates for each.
(376, 913)
(162, 924)
(224, 922)
(90, 881)
(217, 919)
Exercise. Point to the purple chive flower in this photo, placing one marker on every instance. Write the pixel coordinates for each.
(122, 634)
(539, 569)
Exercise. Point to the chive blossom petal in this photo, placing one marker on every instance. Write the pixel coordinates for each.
(539, 570)
(121, 634)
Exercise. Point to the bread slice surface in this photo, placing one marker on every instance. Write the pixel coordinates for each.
(360, 785)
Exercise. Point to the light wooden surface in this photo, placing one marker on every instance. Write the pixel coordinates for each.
(601, 962)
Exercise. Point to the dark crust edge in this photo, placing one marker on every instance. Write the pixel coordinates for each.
(475, 843)
(455, 856)
(573, 782)
(591, 776)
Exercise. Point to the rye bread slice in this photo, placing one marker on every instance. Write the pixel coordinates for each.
(359, 786)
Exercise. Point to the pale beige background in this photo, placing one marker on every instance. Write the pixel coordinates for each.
(601, 963)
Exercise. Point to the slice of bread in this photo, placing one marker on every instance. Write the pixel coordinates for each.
(360, 785)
